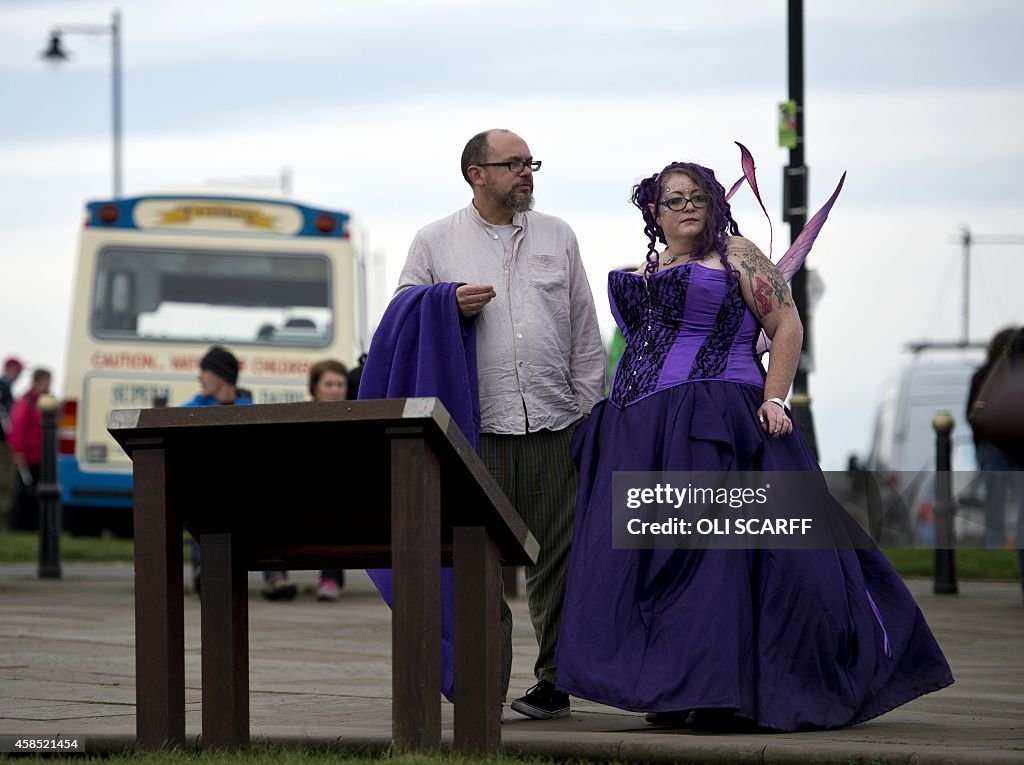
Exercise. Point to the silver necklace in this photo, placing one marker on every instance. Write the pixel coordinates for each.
(673, 258)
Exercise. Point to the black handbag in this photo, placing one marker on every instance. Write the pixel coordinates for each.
(998, 413)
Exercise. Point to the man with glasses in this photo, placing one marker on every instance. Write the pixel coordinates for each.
(540, 366)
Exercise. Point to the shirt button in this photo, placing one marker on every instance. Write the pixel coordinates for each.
(494, 235)
(645, 343)
(520, 363)
(519, 337)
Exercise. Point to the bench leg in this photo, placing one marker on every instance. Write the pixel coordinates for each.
(477, 641)
(416, 590)
(225, 645)
(159, 608)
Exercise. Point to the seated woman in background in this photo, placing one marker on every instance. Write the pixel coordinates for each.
(328, 381)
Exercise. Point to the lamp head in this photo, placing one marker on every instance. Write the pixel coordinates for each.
(54, 53)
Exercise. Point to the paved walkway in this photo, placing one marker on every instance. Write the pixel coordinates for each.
(320, 675)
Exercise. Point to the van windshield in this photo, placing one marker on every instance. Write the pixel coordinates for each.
(212, 296)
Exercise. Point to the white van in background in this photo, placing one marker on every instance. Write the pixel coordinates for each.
(903, 448)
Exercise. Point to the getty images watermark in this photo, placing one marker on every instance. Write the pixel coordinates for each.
(730, 510)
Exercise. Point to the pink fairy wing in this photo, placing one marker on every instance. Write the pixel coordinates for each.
(735, 187)
(747, 162)
(763, 344)
(790, 263)
(794, 257)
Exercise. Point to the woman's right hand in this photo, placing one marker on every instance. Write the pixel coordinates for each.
(773, 419)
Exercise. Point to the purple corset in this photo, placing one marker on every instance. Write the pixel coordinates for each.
(693, 326)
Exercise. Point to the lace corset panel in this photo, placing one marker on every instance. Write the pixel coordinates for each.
(649, 327)
(694, 325)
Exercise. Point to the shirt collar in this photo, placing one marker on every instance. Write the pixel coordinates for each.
(518, 219)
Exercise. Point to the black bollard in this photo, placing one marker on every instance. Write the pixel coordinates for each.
(48, 494)
(945, 542)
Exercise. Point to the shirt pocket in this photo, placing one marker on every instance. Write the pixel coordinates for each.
(548, 271)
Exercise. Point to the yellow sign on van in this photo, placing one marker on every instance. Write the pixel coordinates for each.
(185, 214)
(212, 215)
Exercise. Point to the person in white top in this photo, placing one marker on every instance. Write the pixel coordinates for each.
(540, 360)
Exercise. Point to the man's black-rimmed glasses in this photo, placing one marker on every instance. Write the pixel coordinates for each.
(514, 166)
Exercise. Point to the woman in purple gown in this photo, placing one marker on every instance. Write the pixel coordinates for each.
(781, 639)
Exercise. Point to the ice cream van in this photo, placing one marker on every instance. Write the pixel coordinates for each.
(162, 278)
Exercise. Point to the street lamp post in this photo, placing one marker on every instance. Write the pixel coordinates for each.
(966, 239)
(56, 54)
(795, 214)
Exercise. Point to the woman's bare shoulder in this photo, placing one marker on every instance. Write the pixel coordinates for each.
(739, 244)
(739, 249)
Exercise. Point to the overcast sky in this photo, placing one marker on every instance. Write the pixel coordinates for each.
(370, 103)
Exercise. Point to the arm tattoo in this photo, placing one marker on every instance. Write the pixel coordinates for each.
(752, 261)
(763, 297)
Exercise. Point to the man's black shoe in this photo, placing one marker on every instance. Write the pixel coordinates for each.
(543, 702)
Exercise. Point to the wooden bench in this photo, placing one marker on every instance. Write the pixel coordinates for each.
(350, 484)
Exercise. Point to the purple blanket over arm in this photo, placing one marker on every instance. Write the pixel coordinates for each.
(423, 347)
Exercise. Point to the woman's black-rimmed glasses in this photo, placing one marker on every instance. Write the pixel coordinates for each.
(678, 204)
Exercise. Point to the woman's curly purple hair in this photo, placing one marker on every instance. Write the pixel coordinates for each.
(721, 225)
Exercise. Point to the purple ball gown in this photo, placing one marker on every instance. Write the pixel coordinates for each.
(788, 639)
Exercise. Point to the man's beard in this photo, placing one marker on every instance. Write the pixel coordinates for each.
(519, 203)
(516, 202)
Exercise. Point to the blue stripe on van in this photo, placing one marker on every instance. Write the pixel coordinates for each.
(126, 220)
(92, 489)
